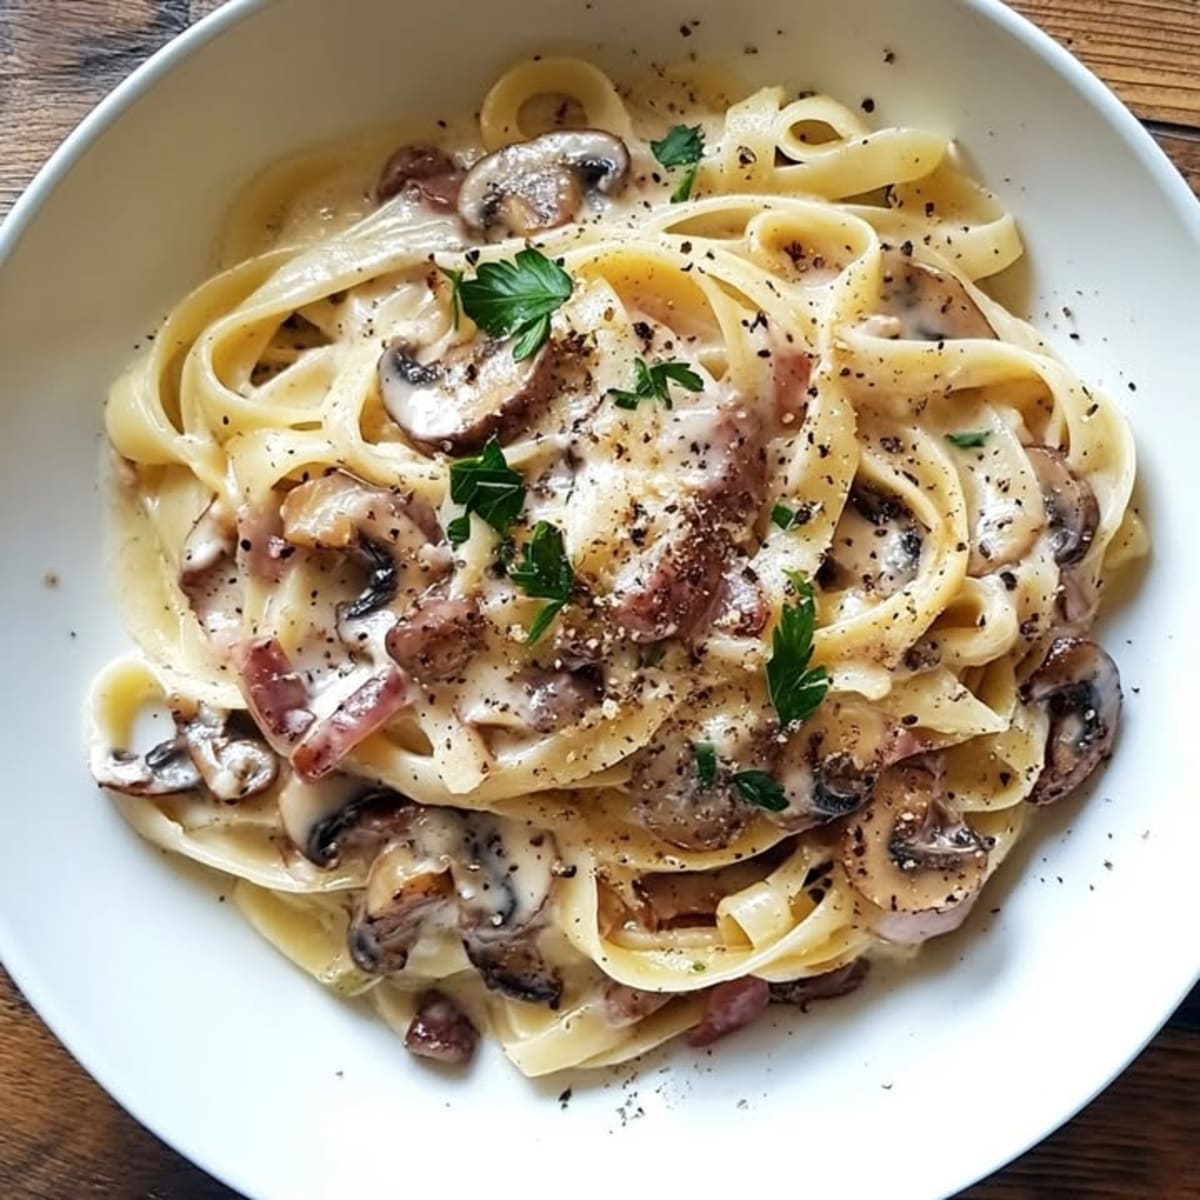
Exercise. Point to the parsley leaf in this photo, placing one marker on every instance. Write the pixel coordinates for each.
(706, 763)
(967, 441)
(760, 789)
(488, 487)
(516, 299)
(654, 383)
(782, 516)
(682, 147)
(544, 571)
(456, 282)
(795, 690)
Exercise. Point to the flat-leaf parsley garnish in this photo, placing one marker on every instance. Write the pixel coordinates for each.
(795, 690)
(517, 299)
(488, 487)
(544, 571)
(706, 763)
(654, 383)
(968, 441)
(682, 147)
(761, 790)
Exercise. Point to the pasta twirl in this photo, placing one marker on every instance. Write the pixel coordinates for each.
(608, 575)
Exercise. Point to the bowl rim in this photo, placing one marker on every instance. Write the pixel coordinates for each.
(1152, 158)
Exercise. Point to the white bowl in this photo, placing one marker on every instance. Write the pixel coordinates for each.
(913, 1088)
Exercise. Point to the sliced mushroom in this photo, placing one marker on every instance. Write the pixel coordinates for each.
(358, 829)
(876, 546)
(1072, 512)
(491, 877)
(435, 639)
(916, 865)
(535, 701)
(729, 1007)
(827, 986)
(669, 797)
(441, 1031)
(390, 532)
(207, 570)
(205, 753)
(475, 392)
(233, 768)
(1080, 687)
(820, 787)
(165, 770)
(423, 171)
(926, 304)
(539, 184)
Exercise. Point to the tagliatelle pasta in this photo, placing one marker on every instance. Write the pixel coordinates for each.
(613, 569)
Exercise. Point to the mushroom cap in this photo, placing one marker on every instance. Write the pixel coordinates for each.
(1080, 686)
(927, 304)
(1072, 511)
(540, 184)
(476, 391)
(915, 864)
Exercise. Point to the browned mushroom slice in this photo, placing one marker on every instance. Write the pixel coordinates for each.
(826, 986)
(514, 966)
(540, 184)
(670, 795)
(441, 1031)
(729, 1007)
(436, 638)
(534, 700)
(820, 787)
(164, 770)
(1072, 512)
(232, 767)
(423, 171)
(876, 547)
(359, 829)
(916, 865)
(387, 926)
(1080, 687)
(477, 391)
(206, 753)
(926, 304)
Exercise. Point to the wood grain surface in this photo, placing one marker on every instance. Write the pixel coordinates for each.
(62, 1138)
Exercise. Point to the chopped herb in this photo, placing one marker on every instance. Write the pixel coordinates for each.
(517, 299)
(760, 789)
(456, 282)
(698, 968)
(795, 690)
(706, 763)
(654, 383)
(652, 655)
(682, 147)
(544, 571)
(488, 487)
(967, 441)
(783, 516)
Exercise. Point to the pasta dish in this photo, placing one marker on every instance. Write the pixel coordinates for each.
(605, 564)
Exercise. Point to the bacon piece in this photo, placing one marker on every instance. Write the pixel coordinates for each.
(441, 1031)
(729, 1007)
(277, 696)
(368, 708)
(741, 606)
(624, 1005)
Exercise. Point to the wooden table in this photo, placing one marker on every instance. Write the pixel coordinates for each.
(61, 1137)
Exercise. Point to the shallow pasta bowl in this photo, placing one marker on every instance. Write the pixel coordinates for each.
(202, 1031)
